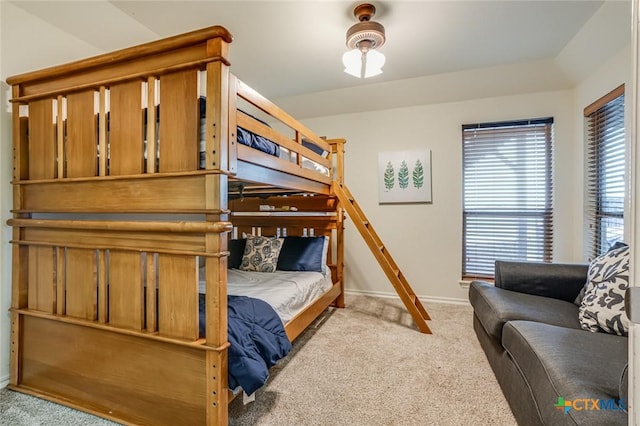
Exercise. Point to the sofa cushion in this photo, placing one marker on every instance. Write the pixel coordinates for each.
(567, 369)
(495, 306)
(602, 307)
(556, 280)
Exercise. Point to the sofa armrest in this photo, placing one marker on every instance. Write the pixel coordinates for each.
(557, 280)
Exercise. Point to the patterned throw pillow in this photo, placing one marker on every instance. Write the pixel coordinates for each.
(261, 254)
(602, 308)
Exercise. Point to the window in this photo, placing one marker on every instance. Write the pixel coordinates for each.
(605, 170)
(507, 208)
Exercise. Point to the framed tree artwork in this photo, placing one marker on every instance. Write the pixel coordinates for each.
(404, 176)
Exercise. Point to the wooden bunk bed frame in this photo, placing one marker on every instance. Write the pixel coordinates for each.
(104, 313)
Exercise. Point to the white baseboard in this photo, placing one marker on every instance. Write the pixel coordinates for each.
(388, 295)
(4, 381)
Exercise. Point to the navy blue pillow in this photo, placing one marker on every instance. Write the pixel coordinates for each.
(301, 254)
(236, 251)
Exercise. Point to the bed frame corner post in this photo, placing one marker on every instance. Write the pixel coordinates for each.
(340, 255)
(217, 143)
(217, 388)
(337, 149)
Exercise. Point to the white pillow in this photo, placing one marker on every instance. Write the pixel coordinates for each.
(602, 307)
(261, 254)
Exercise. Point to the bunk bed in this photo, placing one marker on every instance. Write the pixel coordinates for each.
(134, 179)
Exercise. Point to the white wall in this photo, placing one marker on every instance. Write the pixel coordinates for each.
(426, 239)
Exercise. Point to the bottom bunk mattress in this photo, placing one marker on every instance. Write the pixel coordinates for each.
(259, 304)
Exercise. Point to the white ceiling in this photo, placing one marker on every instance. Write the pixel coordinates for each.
(288, 48)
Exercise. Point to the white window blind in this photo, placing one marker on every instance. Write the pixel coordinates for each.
(605, 174)
(507, 191)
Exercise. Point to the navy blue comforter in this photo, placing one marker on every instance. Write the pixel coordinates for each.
(257, 339)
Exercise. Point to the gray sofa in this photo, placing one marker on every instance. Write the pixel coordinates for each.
(528, 327)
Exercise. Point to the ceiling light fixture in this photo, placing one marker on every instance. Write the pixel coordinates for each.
(363, 38)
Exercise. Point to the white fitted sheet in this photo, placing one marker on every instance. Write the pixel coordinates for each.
(288, 292)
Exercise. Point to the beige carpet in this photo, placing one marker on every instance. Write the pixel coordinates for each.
(363, 365)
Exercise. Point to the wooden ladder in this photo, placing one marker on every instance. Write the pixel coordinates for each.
(382, 255)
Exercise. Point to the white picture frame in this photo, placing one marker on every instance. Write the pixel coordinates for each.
(404, 176)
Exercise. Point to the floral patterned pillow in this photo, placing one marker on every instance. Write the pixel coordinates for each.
(602, 307)
(261, 254)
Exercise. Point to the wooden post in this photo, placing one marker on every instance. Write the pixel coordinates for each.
(337, 149)
(216, 187)
(19, 262)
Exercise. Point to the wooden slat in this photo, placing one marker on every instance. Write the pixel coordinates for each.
(102, 133)
(179, 122)
(20, 127)
(42, 279)
(151, 126)
(125, 290)
(151, 288)
(60, 142)
(178, 296)
(102, 287)
(42, 143)
(61, 278)
(82, 153)
(81, 284)
(126, 129)
(19, 273)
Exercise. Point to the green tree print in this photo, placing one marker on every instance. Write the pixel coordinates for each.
(403, 175)
(389, 179)
(418, 175)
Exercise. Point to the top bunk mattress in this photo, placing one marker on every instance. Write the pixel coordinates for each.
(288, 292)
